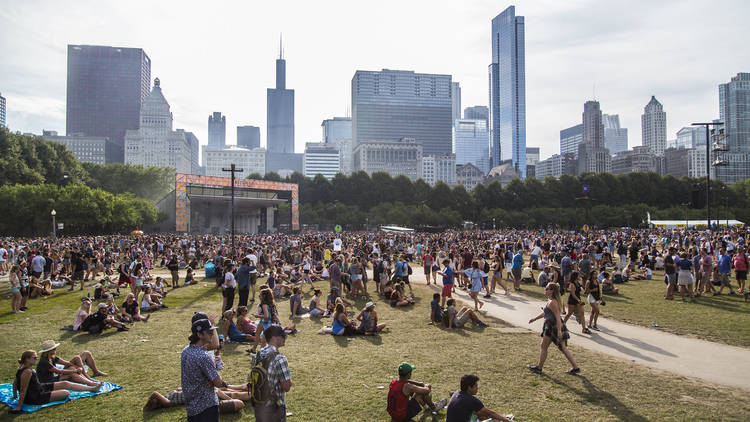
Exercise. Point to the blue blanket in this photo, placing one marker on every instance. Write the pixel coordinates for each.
(6, 396)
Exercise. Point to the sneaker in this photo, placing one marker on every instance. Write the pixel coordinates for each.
(507, 292)
(440, 405)
(595, 327)
(487, 296)
(534, 368)
(573, 371)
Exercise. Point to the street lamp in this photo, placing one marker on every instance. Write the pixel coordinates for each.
(54, 226)
(717, 148)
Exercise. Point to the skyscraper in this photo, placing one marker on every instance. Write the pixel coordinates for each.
(394, 104)
(592, 155)
(105, 89)
(280, 112)
(217, 130)
(477, 113)
(734, 112)
(2, 112)
(471, 144)
(615, 137)
(570, 138)
(336, 129)
(456, 96)
(508, 91)
(248, 137)
(654, 127)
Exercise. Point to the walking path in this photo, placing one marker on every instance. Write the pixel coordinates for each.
(714, 362)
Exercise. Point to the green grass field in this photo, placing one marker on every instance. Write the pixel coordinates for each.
(337, 379)
(724, 318)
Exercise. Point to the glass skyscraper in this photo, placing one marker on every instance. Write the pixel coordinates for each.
(217, 130)
(734, 112)
(394, 104)
(105, 90)
(280, 113)
(507, 74)
(471, 143)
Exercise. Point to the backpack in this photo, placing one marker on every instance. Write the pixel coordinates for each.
(445, 317)
(257, 381)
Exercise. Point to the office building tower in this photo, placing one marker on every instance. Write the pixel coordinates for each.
(336, 129)
(2, 112)
(280, 112)
(471, 143)
(217, 130)
(456, 97)
(469, 175)
(248, 137)
(322, 158)
(394, 104)
(592, 155)
(194, 147)
(250, 161)
(639, 159)
(690, 137)
(615, 137)
(393, 157)
(89, 149)
(477, 113)
(734, 112)
(439, 168)
(508, 91)
(570, 138)
(105, 90)
(154, 143)
(557, 165)
(532, 156)
(654, 127)
(346, 151)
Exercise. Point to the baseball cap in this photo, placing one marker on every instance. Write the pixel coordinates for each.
(274, 330)
(101, 306)
(202, 326)
(405, 368)
(197, 316)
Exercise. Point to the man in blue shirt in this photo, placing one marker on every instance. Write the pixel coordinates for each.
(464, 404)
(566, 267)
(517, 268)
(447, 274)
(199, 375)
(725, 266)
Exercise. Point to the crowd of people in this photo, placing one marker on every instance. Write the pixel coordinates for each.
(584, 266)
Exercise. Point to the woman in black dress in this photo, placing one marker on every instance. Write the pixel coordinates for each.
(575, 304)
(31, 391)
(554, 330)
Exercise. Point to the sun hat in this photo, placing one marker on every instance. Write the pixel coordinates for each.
(48, 345)
(405, 368)
(101, 306)
(369, 305)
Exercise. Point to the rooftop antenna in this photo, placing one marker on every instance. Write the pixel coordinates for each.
(281, 48)
(594, 90)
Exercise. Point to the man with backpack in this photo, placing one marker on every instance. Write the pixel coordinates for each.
(270, 378)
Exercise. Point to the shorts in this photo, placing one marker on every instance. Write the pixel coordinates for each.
(43, 397)
(176, 397)
(672, 278)
(356, 277)
(685, 278)
(139, 282)
(484, 281)
(741, 275)
(428, 269)
(253, 278)
(228, 292)
(412, 409)
(435, 267)
(14, 290)
(36, 274)
(447, 289)
(24, 291)
(592, 299)
(508, 267)
(516, 273)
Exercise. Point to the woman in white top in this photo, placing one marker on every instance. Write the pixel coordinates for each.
(228, 288)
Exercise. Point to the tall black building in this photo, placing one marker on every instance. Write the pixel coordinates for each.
(106, 86)
(248, 137)
(280, 112)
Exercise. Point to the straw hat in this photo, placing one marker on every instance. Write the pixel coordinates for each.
(48, 345)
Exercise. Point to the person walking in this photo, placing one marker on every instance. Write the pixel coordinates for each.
(554, 330)
(243, 281)
(228, 287)
(279, 377)
(199, 375)
(174, 270)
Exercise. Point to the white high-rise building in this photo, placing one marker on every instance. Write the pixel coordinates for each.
(654, 127)
(155, 143)
(439, 169)
(249, 160)
(321, 158)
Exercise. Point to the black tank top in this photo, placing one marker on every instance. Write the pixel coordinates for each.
(34, 389)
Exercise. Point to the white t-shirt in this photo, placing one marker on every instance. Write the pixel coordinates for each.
(337, 245)
(229, 280)
(254, 259)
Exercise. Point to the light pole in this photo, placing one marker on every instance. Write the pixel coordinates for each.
(686, 214)
(54, 226)
(717, 148)
(233, 170)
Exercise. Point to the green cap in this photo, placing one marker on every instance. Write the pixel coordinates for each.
(405, 368)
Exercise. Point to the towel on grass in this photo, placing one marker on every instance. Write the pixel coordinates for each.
(6, 396)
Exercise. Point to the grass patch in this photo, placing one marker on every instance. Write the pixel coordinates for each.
(724, 318)
(337, 379)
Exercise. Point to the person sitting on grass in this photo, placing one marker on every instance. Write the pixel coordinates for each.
(131, 312)
(387, 289)
(369, 320)
(342, 326)
(407, 397)
(315, 309)
(436, 311)
(463, 405)
(150, 302)
(457, 319)
(231, 399)
(608, 285)
(230, 330)
(29, 390)
(295, 303)
(38, 288)
(398, 298)
(73, 370)
(82, 314)
(99, 321)
(190, 278)
(244, 324)
(331, 301)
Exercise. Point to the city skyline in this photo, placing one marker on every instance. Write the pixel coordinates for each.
(613, 46)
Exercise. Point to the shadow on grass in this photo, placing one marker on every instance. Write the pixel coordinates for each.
(84, 338)
(714, 302)
(201, 297)
(601, 398)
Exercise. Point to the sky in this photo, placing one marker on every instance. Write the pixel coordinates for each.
(219, 56)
